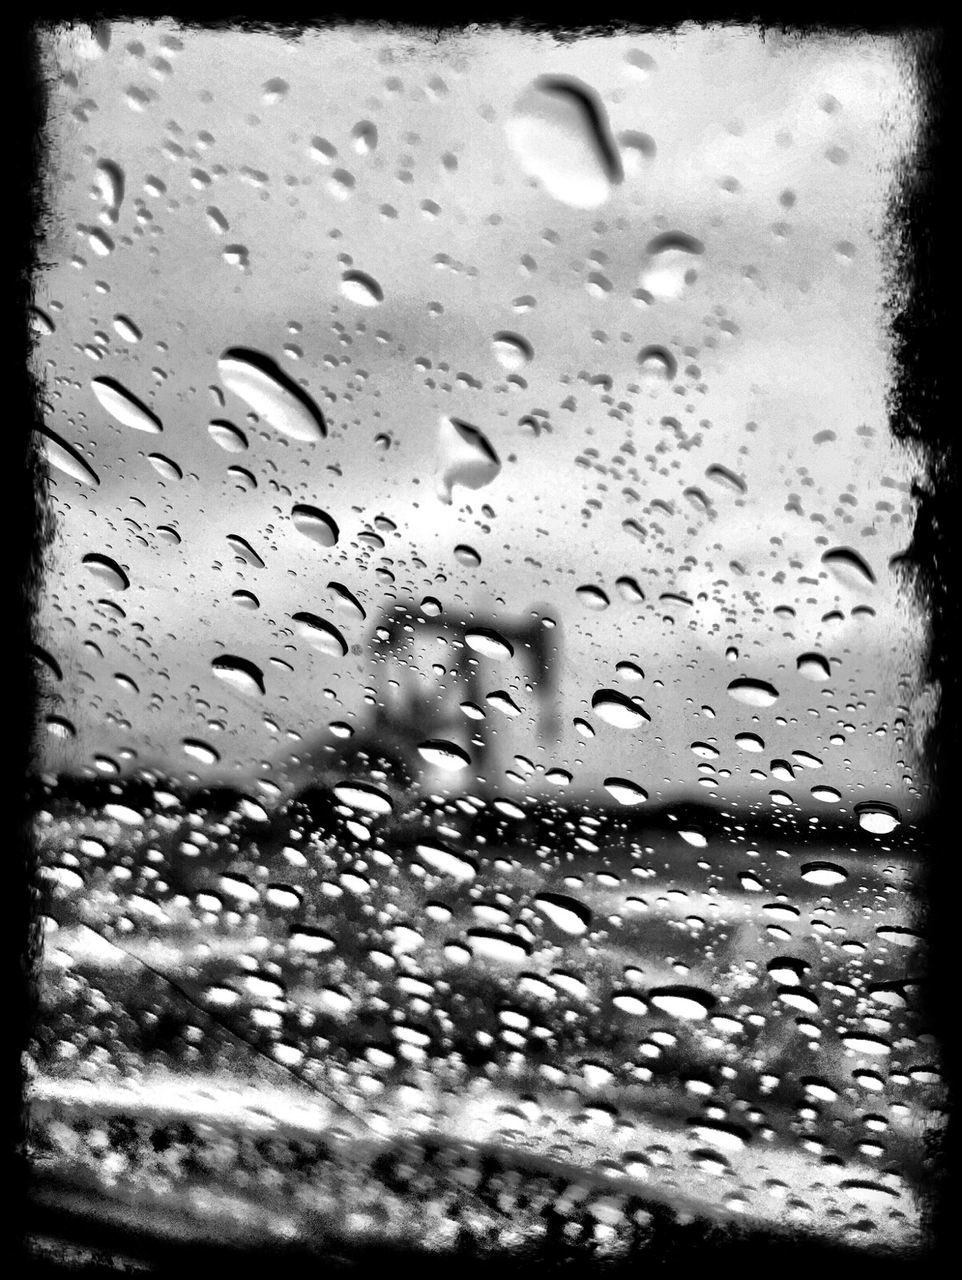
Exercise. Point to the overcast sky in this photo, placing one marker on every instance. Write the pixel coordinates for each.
(257, 170)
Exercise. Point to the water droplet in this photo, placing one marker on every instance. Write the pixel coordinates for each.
(41, 323)
(565, 913)
(165, 466)
(490, 643)
(813, 666)
(315, 524)
(827, 795)
(688, 1003)
(364, 137)
(230, 438)
(727, 478)
(672, 264)
(559, 134)
(60, 727)
(238, 672)
(657, 364)
(500, 948)
(201, 751)
(346, 601)
(124, 406)
(467, 556)
(869, 1045)
(274, 91)
(877, 817)
(268, 391)
(640, 65)
(110, 186)
(362, 289)
(625, 791)
(823, 873)
(504, 703)
(446, 862)
(126, 328)
(628, 1002)
(107, 571)
(466, 457)
(241, 547)
(364, 796)
(848, 566)
(726, 1136)
(444, 755)
(66, 459)
(511, 351)
(592, 597)
(753, 693)
(618, 710)
(321, 635)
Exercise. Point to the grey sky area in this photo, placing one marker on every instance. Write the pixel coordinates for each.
(724, 205)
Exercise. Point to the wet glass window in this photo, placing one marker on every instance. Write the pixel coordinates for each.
(480, 777)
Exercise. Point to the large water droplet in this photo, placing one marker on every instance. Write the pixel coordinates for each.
(592, 597)
(813, 666)
(201, 751)
(560, 135)
(268, 391)
(364, 796)
(500, 948)
(321, 635)
(124, 406)
(672, 264)
(315, 524)
(618, 710)
(490, 643)
(657, 365)
(565, 913)
(466, 457)
(244, 550)
(511, 351)
(106, 571)
(447, 862)
(688, 1003)
(230, 438)
(238, 672)
(346, 601)
(66, 459)
(444, 755)
(165, 466)
(362, 289)
(625, 791)
(753, 693)
(823, 873)
(877, 817)
(848, 566)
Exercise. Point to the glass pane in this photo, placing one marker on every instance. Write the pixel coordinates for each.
(481, 791)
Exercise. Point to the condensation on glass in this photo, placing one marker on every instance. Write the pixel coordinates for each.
(480, 786)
